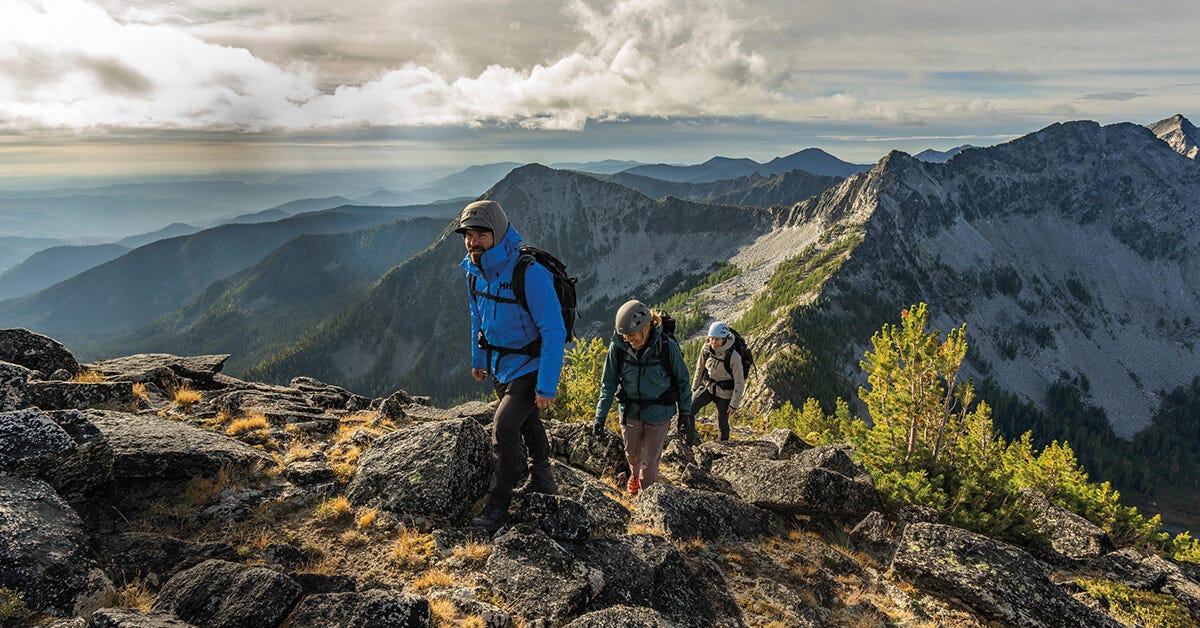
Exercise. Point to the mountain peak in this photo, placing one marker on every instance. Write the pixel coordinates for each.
(1180, 134)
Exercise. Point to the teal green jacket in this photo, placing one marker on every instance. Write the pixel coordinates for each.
(643, 377)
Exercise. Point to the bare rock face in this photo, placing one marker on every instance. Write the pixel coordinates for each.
(222, 594)
(622, 616)
(1070, 535)
(42, 552)
(433, 469)
(712, 451)
(787, 442)
(562, 518)
(686, 513)
(152, 448)
(647, 570)
(155, 558)
(35, 351)
(64, 395)
(13, 378)
(151, 367)
(996, 580)
(575, 443)
(130, 618)
(369, 609)
(538, 577)
(823, 480)
(62, 448)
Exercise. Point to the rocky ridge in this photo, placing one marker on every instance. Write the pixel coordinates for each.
(249, 504)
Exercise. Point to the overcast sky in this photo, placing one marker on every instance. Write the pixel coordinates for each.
(116, 87)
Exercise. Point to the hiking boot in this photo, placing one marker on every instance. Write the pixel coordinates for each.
(634, 485)
(491, 518)
(692, 437)
(541, 480)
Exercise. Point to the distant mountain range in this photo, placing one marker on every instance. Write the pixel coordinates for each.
(755, 189)
(811, 160)
(941, 156)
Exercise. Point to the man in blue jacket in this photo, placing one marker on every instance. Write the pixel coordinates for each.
(521, 344)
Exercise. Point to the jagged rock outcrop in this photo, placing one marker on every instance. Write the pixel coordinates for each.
(687, 514)
(823, 480)
(709, 452)
(222, 594)
(368, 609)
(786, 441)
(574, 442)
(62, 448)
(623, 616)
(562, 518)
(13, 378)
(1070, 535)
(131, 618)
(433, 469)
(994, 579)
(35, 351)
(604, 514)
(42, 551)
(62, 395)
(540, 578)
(153, 449)
(152, 367)
(648, 570)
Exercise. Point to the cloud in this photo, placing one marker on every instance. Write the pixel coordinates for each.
(1118, 96)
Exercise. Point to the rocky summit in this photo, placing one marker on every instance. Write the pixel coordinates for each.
(153, 490)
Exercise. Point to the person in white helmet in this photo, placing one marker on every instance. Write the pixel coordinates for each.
(719, 379)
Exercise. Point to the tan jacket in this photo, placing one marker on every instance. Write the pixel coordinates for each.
(710, 368)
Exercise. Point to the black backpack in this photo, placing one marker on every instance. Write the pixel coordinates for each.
(671, 396)
(564, 288)
(739, 345)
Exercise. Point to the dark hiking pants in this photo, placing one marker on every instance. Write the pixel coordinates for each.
(703, 399)
(516, 429)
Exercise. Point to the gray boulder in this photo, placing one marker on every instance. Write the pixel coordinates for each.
(328, 396)
(605, 514)
(35, 351)
(368, 609)
(433, 469)
(622, 616)
(562, 518)
(42, 552)
(279, 404)
(575, 443)
(786, 441)
(392, 408)
(692, 476)
(222, 594)
(687, 514)
(63, 448)
(155, 558)
(153, 367)
(1070, 535)
(876, 536)
(1142, 570)
(130, 618)
(80, 395)
(538, 577)
(712, 451)
(305, 473)
(996, 580)
(13, 378)
(152, 448)
(819, 481)
(648, 570)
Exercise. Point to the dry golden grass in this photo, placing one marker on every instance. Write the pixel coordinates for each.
(324, 567)
(334, 508)
(134, 594)
(641, 528)
(434, 578)
(297, 452)
(687, 545)
(366, 518)
(343, 471)
(88, 377)
(254, 421)
(184, 398)
(140, 391)
(354, 538)
(293, 430)
(472, 552)
(444, 614)
(201, 490)
(412, 549)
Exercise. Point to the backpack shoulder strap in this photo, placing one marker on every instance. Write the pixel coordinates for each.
(518, 279)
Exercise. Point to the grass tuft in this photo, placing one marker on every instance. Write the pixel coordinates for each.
(184, 398)
(334, 508)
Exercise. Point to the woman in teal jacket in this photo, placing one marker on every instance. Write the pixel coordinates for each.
(646, 374)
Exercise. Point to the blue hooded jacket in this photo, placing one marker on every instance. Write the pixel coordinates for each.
(508, 324)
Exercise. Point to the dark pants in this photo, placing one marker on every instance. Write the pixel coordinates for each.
(702, 399)
(516, 429)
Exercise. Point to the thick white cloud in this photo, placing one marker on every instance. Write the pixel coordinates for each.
(311, 64)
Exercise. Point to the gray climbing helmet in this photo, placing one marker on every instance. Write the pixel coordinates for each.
(632, 317)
